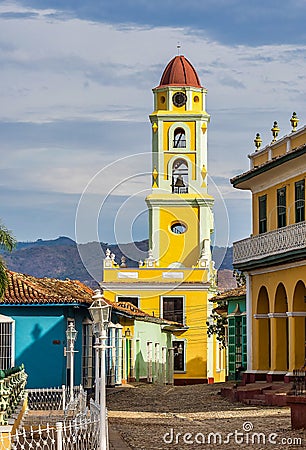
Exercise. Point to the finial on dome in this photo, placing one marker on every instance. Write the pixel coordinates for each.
(178, 48)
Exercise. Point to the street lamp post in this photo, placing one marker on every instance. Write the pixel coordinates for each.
(100, 312)
(71, 335)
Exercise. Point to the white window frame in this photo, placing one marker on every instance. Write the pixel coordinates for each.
(171, 131)
(11, 357)
(184, 359)
(161, 307)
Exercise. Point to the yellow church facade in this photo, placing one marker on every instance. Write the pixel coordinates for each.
(178, 277)
(274, 256)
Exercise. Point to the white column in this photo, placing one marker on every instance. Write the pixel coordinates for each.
(164, 365)
(71, 356)
(97, 364)
(103, 421)
(120, 355)
(249, 320)
(210, 345)
(149, 362)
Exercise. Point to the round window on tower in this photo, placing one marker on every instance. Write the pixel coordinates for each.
(196, 99)
(162, 99)
(179, 99)
(178, 228)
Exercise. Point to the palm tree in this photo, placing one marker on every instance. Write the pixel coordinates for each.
(7, 242)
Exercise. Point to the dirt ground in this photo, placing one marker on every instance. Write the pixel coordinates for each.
(151, 417)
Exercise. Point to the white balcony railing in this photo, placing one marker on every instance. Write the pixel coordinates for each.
(292, 237)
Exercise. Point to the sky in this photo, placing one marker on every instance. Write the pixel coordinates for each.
(76, 85)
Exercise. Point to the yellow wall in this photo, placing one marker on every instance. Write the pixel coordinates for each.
(260, 159)
(197, 106)
(272, 282)
(155, 275)
(162, 100)
(179, 247)
(272, 203)
(279, 150)
(197, 102)
(296, 141)
(166, 138)
(196, 316)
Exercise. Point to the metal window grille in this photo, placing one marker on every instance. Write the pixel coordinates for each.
(300, 201)
(281, 208)
(87, 356)
(6, 344)
(262, 214)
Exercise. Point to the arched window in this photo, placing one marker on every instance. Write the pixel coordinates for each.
(179, 140)
(180, 177)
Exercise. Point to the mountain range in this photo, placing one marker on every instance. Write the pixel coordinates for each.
(63, 258)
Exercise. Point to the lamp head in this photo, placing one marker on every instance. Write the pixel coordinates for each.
(100, 311)
(71, 333)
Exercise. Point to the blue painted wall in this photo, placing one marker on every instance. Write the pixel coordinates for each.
(36, 330)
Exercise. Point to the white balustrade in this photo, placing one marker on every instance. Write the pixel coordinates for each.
(292, 237)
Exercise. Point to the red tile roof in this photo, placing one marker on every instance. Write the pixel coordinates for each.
(232, 293)
(28, 290)
(180, 72)
(25, 289)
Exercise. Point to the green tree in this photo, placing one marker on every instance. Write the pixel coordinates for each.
(7, 242)
(216, 325)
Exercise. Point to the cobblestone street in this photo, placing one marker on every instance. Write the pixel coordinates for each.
(150, 417)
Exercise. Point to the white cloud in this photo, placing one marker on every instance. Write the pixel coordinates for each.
(76, 70)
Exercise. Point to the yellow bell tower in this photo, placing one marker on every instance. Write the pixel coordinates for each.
(181, 219)
(175, 282)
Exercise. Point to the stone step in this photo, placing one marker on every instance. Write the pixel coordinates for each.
(253, 401)
(35, 418)
(260, 397)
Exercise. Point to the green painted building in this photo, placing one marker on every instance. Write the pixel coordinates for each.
(232, 305)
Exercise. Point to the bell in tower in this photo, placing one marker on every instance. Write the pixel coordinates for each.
(179, 184)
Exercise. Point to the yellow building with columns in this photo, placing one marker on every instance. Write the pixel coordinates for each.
(274, 256)
(177, 278)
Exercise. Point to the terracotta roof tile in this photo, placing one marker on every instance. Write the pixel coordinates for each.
(237, 292)
(28, 290)
(25, 289)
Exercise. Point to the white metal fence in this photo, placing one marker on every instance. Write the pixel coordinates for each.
(79, 433)
(46, 399)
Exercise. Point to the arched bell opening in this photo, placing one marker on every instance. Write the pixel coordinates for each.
(180, 176)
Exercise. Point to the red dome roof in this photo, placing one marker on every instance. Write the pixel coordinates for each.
(180, 72)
